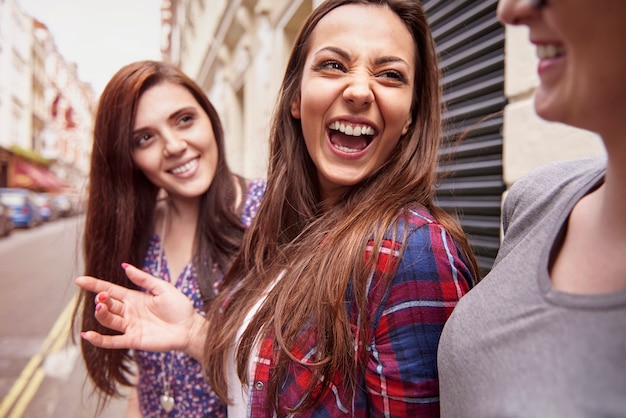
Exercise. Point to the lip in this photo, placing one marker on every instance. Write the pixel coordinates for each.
(546, 64)
(188, 173)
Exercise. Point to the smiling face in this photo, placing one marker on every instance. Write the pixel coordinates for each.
(173, 141)
(582, 63)
(356, 93)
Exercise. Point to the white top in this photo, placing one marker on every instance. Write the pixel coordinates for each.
(238, 392)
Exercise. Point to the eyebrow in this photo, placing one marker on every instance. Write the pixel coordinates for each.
(176, 114)
(380, 60)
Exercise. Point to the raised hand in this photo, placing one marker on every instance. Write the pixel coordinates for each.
(160, 319)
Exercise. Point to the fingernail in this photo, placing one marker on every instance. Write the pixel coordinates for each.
(83, 335)
(100, 297)
(124, 265)
(98, 307)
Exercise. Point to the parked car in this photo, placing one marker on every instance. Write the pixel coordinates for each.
(63, 205)
(6, 224)
(25, 212)
(47, 209)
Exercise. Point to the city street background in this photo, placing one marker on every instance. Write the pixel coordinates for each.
(55, 59)
(41, 371)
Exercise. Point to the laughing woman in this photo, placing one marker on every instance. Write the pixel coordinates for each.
(336, 301)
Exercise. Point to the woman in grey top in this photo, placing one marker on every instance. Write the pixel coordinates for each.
(544, 334)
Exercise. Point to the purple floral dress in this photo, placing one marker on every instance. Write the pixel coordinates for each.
(192, 395)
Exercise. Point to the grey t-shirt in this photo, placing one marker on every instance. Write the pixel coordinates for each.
(516, 347)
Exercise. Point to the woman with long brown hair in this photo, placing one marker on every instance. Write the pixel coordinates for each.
(336, 300)
(161, 196)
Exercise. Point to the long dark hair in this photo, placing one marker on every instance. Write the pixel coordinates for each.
(121, 210)
(291, 224)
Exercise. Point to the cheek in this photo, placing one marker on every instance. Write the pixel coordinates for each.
(212, 150)
(316, 97)
(146, 162)
(209, 155)
(310, 107)
(213, 157)
(398, 118)
(395, 104)
(314, 107)
(388, 147)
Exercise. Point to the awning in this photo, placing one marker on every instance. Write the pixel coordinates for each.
(31, 176)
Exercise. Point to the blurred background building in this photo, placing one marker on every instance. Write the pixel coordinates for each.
(46, 112)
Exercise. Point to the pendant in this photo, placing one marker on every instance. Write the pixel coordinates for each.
(167, 402)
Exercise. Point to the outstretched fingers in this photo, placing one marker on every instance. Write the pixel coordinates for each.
(158, 318)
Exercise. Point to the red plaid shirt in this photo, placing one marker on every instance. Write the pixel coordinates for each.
(400, 378)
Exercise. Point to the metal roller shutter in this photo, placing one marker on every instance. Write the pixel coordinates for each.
(470, 43)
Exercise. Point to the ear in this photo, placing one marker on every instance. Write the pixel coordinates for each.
(295, 107)
(408, 123)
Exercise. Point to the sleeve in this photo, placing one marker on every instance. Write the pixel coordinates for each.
(508, 206)
(535, 192)
(401, 375)
(255, 192)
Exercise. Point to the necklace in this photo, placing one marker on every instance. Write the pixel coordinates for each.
(166, 399)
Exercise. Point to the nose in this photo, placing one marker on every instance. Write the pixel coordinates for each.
(174, 144)
(517, 12)
(358, 91)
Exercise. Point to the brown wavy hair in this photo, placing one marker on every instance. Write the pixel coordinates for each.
(121, 211)
(291, 223)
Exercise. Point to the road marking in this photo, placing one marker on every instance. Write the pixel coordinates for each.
(32, 375)
(27, 395)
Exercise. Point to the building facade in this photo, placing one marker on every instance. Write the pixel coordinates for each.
(15, 85)
(46, 112)
(237, 51)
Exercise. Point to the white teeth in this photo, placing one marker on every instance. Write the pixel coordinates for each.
(549, 51)
(345, 149)
(185, 167)
(356, 130)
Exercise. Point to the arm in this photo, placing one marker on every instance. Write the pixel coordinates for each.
(160, 319)
(132, 410)
(401, 374)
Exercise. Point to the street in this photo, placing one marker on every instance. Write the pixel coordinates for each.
(41, 370)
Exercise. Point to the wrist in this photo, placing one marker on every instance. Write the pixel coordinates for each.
(195, 339)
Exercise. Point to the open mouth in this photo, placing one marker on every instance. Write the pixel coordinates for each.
(185, 167)
(549, 51)
(350, 138)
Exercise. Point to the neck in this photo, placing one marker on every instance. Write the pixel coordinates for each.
(183, 207)
(182, 218)
(177, 229)
(612, 195)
